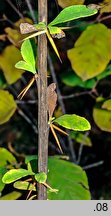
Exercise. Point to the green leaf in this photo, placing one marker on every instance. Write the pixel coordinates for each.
(105, 73)
(41, 177)
(69, 179)
(23, 185)
(73, 122)
(11, 196)
(3, 170)
(31, 161)
(40, 26)
(7, 106)
(107, 105)
(73, 12)
(3, 83)
(15, 174)
(6, 157)
(72, 183)
(25, 66)
(102, 117)
(54, 29)
(71, 79)
(28, 54)
(81, 138)
(29, 158)
(92, 51)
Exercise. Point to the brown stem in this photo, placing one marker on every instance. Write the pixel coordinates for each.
(42, 100)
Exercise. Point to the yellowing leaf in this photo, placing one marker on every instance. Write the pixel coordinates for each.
(7, 106)
(11, 196)
(105, 6)
(23, 185)
(24, 20)
(8, 59)
(92, 51)
(67, 3)
(102, 117)
(107, 105)
(14, 34)
(58, 112)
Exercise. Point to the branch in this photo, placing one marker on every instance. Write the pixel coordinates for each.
(15, 9)
(31, 10)
(93, 165)
(42, 100)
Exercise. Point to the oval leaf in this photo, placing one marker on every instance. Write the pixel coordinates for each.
(28, 54)
(14, 34)
(11, 196)
(41, 177)
(15, 174)
(105, 6)
(25, 66)
(72, 184)
(3, 170)
(23, 185)
(8, 59)
(73, 12)
(81, 138)
(92, 51)
(107, 105)
(102, 117)
(67, 3)
(73, 122)
(29, 158)
(7, 106)
(6, 157)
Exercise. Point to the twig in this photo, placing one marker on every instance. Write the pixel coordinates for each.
(26, 102)
(31, 10)
(21, 113)
(80, 153)
(72, 152)
(24, 114)
(75, 95)
(15, 9)
(6, 19)
(100, 19)
(93, 165)
(81, 148)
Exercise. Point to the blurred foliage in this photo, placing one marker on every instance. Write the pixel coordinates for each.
(67, 3)
(102, 114)
(7, 106)
(91, 52)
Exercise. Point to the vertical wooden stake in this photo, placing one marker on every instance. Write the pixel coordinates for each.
(42, 100)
